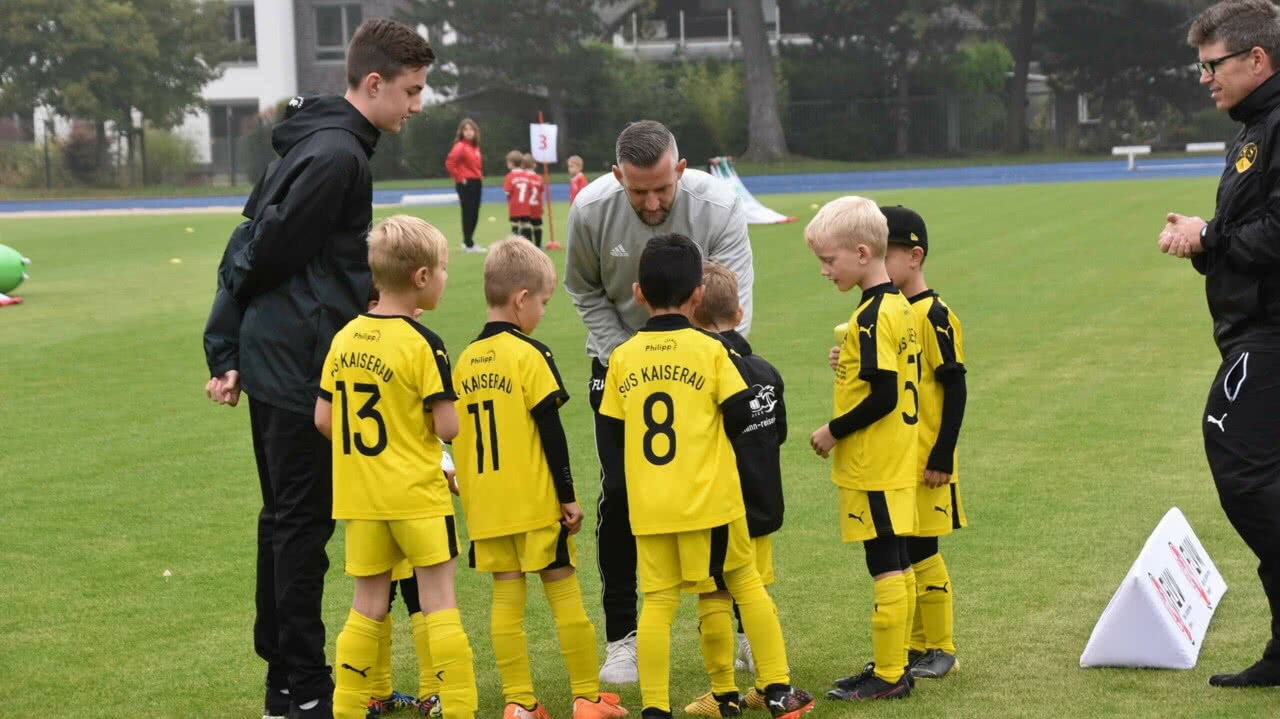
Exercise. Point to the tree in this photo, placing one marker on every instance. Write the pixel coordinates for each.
(1015, 129)
(904, 32)
(765, 139)
(1130, 56)
(102, 60)
(534, 46)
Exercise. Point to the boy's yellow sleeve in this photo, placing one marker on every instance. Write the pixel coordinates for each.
(435, 378)
(729, 380)
(541, 381)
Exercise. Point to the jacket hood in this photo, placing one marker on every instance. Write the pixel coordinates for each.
(310, 115)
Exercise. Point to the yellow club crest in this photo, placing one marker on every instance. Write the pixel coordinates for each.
(1248, 154)
(915, 238)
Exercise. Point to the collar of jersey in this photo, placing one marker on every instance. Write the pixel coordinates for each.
(496, 328)
(916, 298)
(661, 323)
(884, 288)
(406, 318)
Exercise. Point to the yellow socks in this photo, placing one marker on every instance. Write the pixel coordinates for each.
(888, 627)
(357, 659)
(510, 644)
(760, 622)
(909, 578)
(653, 647)
(454, 665)
(935, 604)
(917, 641)
(380, 676)
(716, 637)
(577, 636)
(428, 684)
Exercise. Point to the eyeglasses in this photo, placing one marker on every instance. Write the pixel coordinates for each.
(1209, 67)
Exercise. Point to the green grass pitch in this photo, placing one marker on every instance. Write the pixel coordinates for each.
(1089, 358)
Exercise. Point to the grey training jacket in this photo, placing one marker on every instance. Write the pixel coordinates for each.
(606, 238)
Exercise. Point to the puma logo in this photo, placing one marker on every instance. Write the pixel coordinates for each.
(362, 672)
(440, 675)
(943, 330)
(936, 588)
(857, 517)
(936, 508)
(866, 330)
(1217, 420)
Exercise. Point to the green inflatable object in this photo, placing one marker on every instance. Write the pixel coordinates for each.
(13, 269)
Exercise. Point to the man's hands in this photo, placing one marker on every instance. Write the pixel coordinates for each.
(833, 357)
(1181, 235)
(225, 388)
(571, 517)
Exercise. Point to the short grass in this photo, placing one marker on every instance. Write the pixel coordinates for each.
(1089, 357)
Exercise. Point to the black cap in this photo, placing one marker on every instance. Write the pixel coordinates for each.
(906, 227)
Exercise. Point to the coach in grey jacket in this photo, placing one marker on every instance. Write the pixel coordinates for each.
(649, 193)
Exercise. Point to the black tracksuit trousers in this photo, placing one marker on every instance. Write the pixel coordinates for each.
(1242, 443)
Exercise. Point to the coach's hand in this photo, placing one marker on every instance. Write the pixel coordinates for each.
(833, 357)
(1181, 235)
(225, 388)
(934, 479)
(822, 441)
(571, 517)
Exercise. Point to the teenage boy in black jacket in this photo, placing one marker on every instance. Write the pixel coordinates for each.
(299, 274)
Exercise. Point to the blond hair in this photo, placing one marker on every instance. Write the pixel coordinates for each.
(526, 161)
(515, 157)
(512, 265)
(399, 245)
(574, 160)
(719, 296)
(847, 222)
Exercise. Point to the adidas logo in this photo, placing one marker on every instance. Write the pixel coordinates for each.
(619, 251)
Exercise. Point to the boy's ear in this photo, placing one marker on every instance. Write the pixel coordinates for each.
(635, 286)
(521, 297)
(695, 299)
(421, 276)
(371, 84)
(737, 319)
(917, 255)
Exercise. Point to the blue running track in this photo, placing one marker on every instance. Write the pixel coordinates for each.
(757, 184)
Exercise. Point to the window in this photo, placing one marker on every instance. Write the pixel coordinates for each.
(335, 24)
(240, 31)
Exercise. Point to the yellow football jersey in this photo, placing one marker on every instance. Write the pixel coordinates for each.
(503, 477)
(882, 336)
(667, 384)
(942, 351)
(380, 374)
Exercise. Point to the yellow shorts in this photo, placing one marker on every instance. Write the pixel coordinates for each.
(762, 549)
(550, 547)
(866, 515)
(403, 570)
(687, 559)
(375, 546)
(939, 511)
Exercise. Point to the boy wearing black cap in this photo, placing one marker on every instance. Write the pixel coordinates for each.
(939, 389)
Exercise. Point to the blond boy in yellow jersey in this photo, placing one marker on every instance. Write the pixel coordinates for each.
(386, 398)
(872, 438)
(672, 400)
(516, 486)
(941, 393)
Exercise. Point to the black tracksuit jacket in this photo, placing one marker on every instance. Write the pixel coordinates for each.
(298, 269)
(1241, 261)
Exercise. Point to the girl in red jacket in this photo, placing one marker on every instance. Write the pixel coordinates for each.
(464, 166)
